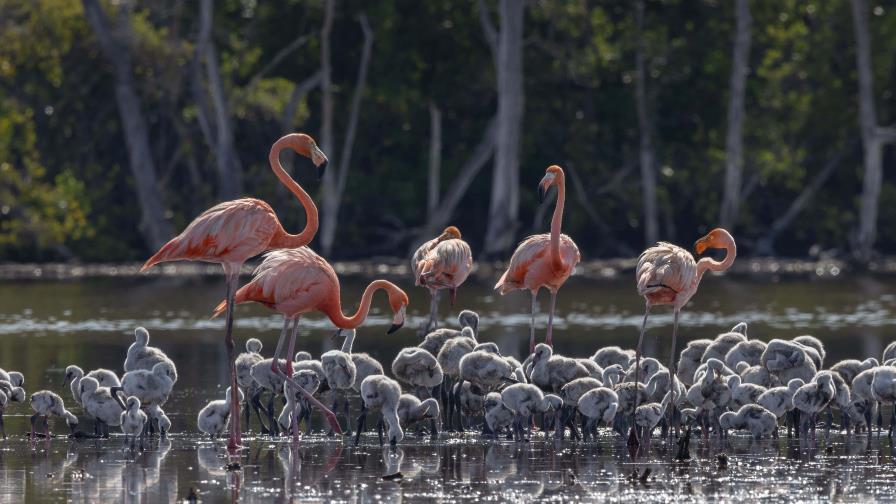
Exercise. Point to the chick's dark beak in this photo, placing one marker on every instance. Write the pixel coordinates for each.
(394, 328)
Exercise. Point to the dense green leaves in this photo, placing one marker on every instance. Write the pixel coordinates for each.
(65, 190)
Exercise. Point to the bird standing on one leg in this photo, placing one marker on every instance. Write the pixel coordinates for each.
(441, 263)
(668, 275)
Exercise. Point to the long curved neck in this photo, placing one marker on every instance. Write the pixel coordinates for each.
(334, 308)
(349, 341)
(286, 240)
(556, 221)
(710, 264)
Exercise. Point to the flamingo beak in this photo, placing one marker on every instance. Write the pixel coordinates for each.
(394, 327)
(320, 160)
(336, 335)
(544, 185)
(322, 169)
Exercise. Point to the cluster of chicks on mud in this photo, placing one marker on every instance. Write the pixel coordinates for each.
(451, 380)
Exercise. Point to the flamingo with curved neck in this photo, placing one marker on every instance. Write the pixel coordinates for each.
(230, 233)
(669, 275)
(543, 260)
(298, 281)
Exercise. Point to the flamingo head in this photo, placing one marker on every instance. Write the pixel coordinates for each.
(450, 233)
(717, 238)
(552, 174)
(398, 300)
(306, 146)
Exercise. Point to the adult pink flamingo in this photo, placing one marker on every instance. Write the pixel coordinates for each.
(297, 281)
(442, 263)
(543, 260)
(668, 275)
(229, 233)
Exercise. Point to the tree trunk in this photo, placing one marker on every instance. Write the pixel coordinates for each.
(333, 190)
(435, 158)
(505, 193)
(230, 171)
(439, 218)
(326, 86)
(646, 153)
(873, 137)
(734, 140)
(115, 46)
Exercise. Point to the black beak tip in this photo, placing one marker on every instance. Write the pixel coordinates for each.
(322, 169)
(393, 328)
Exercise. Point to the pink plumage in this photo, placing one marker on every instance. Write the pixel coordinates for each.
(444, 262)
(543, 260)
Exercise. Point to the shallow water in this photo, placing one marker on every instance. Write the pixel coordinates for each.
(45, 326)
(452, 469)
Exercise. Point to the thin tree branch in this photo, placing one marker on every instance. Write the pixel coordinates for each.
(488, 28)
(281, 54)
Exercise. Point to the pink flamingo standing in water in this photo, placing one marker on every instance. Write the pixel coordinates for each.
(668, 275)
(297, 281)
(543, 260)
(230, 233)
(442, 263)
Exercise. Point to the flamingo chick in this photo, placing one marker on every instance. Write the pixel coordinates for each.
(133, 420)
(46, 404)
(215, 416)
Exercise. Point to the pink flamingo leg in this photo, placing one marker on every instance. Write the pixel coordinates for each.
(532, 324)
(331, 418)
(280, 341)
(632, 434)
(235, 438)
(549, 340)
(290, 352)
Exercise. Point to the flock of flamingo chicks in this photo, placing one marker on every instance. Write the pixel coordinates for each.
(452, 379)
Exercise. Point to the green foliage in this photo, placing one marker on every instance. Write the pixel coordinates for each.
(66, 191)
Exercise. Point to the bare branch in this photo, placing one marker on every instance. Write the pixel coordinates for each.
(765, 245)
(467, 173)
(298, 92)
(355, 111)
(488, 28)
(281, 54)
(435, 158)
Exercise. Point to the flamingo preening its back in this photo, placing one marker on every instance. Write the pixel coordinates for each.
(441, 263)
(229, 233)
(668, 275)
(543, 260)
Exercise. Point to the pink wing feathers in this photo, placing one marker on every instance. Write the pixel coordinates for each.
(665, 266)
(291, 281)
(232, 231)
(447, 264)
(528, 253)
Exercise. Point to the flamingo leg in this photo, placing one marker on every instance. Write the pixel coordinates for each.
(433, 311)
(532, 324)
(548, 339)
(232, 281)
(290, 352)
(632, 434)
(331, 418)
(672, 426)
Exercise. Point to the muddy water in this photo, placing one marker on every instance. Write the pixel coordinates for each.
(45, 326)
